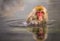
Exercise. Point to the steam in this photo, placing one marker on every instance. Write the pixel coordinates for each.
(8, 7)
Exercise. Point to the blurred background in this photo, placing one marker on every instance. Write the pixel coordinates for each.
(14, 12)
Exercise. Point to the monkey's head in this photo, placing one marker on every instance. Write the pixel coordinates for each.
(40, 8)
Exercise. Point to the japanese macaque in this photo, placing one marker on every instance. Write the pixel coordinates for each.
(39, 16)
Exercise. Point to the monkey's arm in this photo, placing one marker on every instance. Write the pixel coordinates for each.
(29, 17)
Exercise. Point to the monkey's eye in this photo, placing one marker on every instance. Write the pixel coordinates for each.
(42, 12)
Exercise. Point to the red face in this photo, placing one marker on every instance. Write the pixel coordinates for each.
(40, 14)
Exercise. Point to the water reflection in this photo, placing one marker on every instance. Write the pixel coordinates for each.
(39, 32)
